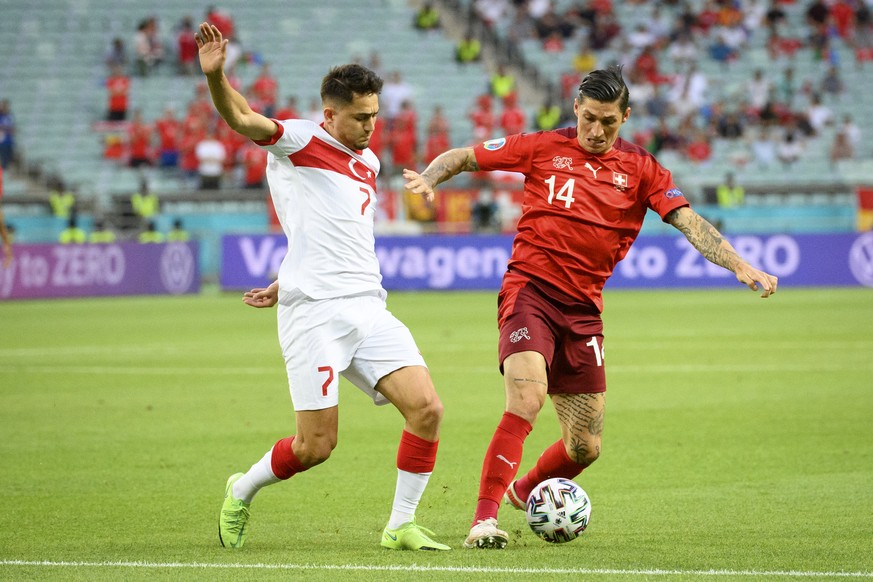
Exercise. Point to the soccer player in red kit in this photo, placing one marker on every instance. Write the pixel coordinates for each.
(586, 192)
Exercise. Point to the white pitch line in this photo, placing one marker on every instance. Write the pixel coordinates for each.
(460, 569)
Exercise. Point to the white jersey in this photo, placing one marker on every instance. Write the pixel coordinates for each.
(324, 194)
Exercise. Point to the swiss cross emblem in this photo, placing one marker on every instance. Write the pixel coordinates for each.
(620, 180)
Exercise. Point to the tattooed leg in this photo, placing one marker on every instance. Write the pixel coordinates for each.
(581, 418)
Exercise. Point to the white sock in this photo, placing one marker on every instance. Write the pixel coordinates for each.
(259, 476)
(410, 487)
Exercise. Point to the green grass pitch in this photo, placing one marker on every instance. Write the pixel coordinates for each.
(738, 443)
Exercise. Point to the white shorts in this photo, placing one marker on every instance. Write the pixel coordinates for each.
(356, 337)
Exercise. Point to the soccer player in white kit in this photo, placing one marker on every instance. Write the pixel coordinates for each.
(332, 316)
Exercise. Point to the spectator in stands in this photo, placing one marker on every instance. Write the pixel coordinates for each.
(730, 194)
(852, 131)
(117, 88)
(585, 59)
(548, 116)
(721, 50)
(264, 92)
(513, 118)
(818, 114)
(72, 234)
(145, 203)
(427, 17)
(658, 105)
(520, 28)
(758, 90)
(316, 113)
(151, 234)
(832, 82)
(786, 88)
(841, 148)
(404, 138)
(222, 20)
(169, 129)
(5, 238)
(7, 134)
(211, 155)
(688, 90)
(502, 82)
(148, 47)
(254, 165)
(485, 213)
(482, 117)
(438, 131)
(233, 144)
(554, 43)
(177, 232)
(101, 234)
(186, 48)
(664, 138)
(194, 130)
(683, 51)
(139, 142)
(764, 148)
(62, 200)
(490, 12)
(790, 149)
(775, 16)
(116, 56)
(699, 148)
(289, 110)
(469, 49)
(730, 125)
(394, 92)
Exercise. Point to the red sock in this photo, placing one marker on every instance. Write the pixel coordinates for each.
(415, 454)
(501, 463)
(284, 462)
(554, 462)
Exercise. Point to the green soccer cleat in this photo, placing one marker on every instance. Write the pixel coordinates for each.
(234, 517)
(411, 536)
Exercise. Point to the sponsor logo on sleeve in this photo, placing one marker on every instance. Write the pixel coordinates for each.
(494, 144)
(673, 193)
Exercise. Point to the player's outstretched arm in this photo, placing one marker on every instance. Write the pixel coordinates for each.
(230, 104)
(710, 243)
(262, 297)
(443, 167)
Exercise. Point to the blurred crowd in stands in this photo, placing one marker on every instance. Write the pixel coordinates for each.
(677, 106)
(681, 110)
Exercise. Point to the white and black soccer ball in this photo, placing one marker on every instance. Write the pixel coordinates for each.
(558, 510)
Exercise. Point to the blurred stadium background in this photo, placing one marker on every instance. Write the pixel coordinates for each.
(53, 72)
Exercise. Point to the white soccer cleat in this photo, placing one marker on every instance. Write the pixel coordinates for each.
(485, 535)
(511, 498)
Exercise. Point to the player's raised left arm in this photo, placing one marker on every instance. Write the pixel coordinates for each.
(232, 106)
(710, 243)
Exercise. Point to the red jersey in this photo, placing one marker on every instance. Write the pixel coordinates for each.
(118, 88)
(580, 211)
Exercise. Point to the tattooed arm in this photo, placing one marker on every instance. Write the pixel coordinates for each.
(446, 165)
(716, 249)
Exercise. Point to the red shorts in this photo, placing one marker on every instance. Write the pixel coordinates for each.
(568, 333)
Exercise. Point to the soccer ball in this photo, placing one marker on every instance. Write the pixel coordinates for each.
(558, 510)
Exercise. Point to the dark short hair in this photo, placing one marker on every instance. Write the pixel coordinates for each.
(342, 83)
(605, 85)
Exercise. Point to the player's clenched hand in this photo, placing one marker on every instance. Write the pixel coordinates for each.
(416, 184)
(262, 297)
(212, 48)
(757, 280)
